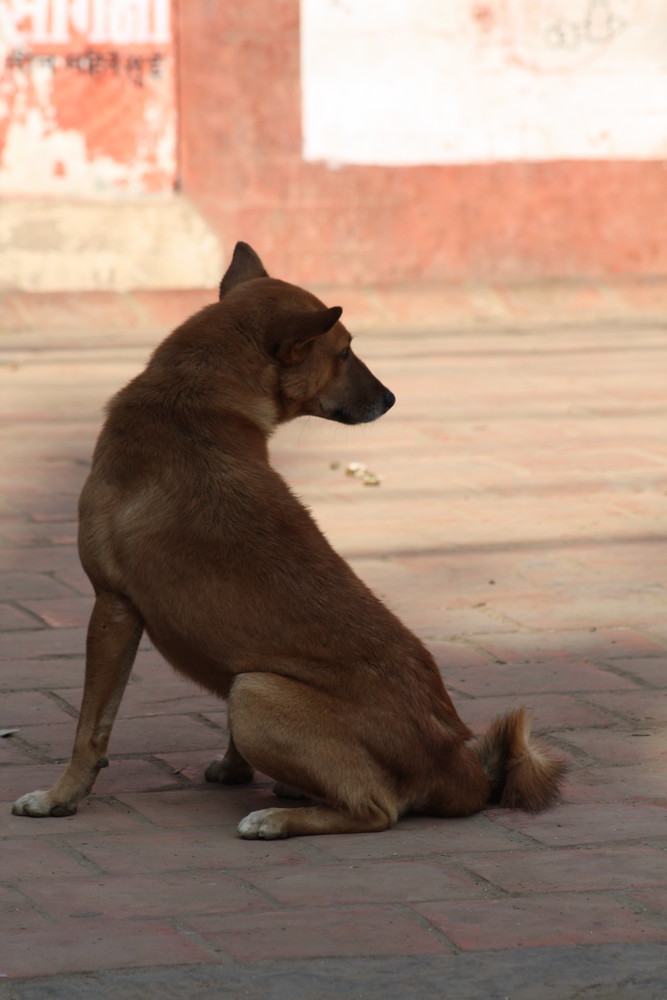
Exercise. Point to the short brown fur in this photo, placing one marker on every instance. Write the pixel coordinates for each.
(187, 531)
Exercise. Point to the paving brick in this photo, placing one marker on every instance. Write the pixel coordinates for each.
(141, 897)
(87, 945)
(166, 694)
(43, 557)
(43, 642)
(319, 932)
(13, 618)
(539, 921)
(577, 869)
(191, 849)
(638, 745)
(596, 611)
(577, 824)
(593, 782)
(51, 742)
(417, 837)
(52, 508)
(32, 857)
(15, 585)
(163, 733)
(28, 708)
(64, 612)
(95, 814)
(12, 752)
(549, 712)
(134, 775)
(74, 578)
(191, 764)
(152, 670)
(459, 659)
(395, 881)
(603, 644)
(659, 633)
(211, 806)
(150, 734)
(61, 533)
(654, 901)
(524, 679)
(18, 914)
(436, 622)
(648, 707)
(58, 672)
(651, 671)
(25, 776)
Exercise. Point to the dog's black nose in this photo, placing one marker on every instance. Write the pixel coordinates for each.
(389, 400)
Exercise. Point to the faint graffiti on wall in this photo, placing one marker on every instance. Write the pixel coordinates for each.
(92, 63)
(87, 98)
(599, 23)
(567, 35)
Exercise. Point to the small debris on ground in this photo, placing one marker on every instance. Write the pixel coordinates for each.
(360, 471)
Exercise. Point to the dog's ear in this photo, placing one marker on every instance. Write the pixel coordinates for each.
(302, 330)
(245, 266)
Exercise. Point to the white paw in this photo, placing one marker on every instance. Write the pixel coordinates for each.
(264, 824)
(40, 804)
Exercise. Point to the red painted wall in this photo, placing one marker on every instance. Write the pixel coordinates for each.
(240, 159)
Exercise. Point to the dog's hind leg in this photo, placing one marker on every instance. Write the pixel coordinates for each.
(303, 739)
(230, 768)
(462, 788)
(114, 632)
(272, 824)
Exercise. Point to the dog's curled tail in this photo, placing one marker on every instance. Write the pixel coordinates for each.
(522, 772)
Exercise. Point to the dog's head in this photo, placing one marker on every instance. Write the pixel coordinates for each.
(318, 372)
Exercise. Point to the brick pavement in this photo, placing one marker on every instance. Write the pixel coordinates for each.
(519, 528)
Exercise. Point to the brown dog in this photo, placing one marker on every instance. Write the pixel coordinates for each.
(187, 531)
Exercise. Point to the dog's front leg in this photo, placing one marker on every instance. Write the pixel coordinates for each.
(114, 632)
(230, 768)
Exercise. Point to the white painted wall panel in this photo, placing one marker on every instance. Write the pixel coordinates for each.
(406, 82)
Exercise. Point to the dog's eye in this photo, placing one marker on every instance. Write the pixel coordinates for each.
(344, 355)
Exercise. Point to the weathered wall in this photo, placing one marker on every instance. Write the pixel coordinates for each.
(577, 204)
(87, 98)
(367, 141)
